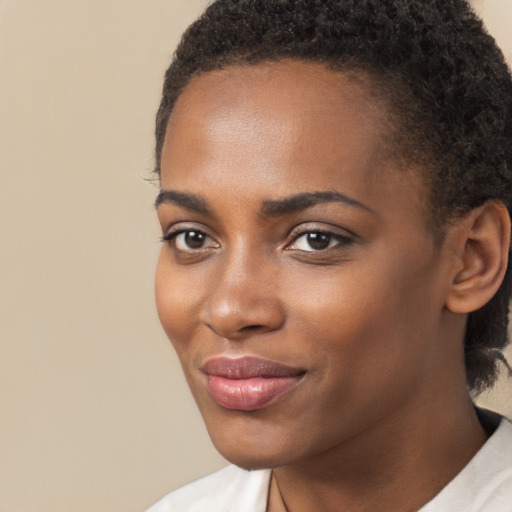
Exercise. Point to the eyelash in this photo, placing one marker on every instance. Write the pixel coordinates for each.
(173, 235)
(342, 241)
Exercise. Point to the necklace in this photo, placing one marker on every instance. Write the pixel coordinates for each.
(276, 502)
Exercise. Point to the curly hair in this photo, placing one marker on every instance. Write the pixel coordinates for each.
(445, 83)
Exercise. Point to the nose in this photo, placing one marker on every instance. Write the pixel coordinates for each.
(243, 299)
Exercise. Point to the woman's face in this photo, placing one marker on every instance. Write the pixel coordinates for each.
(298, 281)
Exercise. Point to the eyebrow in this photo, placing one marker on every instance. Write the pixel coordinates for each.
(269, 207)
(185, 200)
(276, 207)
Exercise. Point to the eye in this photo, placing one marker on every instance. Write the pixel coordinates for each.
(314, 241)
(190, 240)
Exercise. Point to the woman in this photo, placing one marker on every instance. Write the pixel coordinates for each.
(335, 196)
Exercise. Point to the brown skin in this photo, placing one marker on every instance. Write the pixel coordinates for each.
(382, 419)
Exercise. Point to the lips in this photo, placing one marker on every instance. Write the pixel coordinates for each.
(248, 383)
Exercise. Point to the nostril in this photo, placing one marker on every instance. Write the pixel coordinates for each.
(246, 328)
(250, 328)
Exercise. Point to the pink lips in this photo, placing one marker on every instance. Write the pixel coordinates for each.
(248, 383)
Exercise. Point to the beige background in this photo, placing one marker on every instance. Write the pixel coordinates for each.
(95, 416)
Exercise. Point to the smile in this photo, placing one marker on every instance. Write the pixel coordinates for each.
(248, 383)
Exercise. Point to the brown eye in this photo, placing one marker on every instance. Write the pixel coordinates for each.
(318, 241)
(193, 239)
(190, 240)
(314, 241)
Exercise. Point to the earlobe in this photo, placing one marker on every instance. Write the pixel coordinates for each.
(483, 244)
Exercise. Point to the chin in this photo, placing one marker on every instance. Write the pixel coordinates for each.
(261, 449)
(251, 461)
(261, 439)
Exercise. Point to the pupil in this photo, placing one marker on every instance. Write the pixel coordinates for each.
(318, 240)
(194, 239)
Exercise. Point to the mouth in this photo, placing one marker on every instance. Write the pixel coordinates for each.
(248, 383)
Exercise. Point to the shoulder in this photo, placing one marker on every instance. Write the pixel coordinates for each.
(485, 484)
(229, 490)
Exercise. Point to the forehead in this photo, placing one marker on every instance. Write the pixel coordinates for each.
(287, 104)
(296, 127)
(295, 81)
(301, 91)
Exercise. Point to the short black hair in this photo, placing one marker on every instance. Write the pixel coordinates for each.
(446, 83)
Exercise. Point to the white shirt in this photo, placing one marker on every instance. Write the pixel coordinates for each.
(484, 485)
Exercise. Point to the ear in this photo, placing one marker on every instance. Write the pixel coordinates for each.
(481, 242)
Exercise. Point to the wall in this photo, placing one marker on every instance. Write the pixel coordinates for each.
(95, 415)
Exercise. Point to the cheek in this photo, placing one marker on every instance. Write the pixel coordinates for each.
(339, 301)
(363, 357)
(178, 299)
(362, 321)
